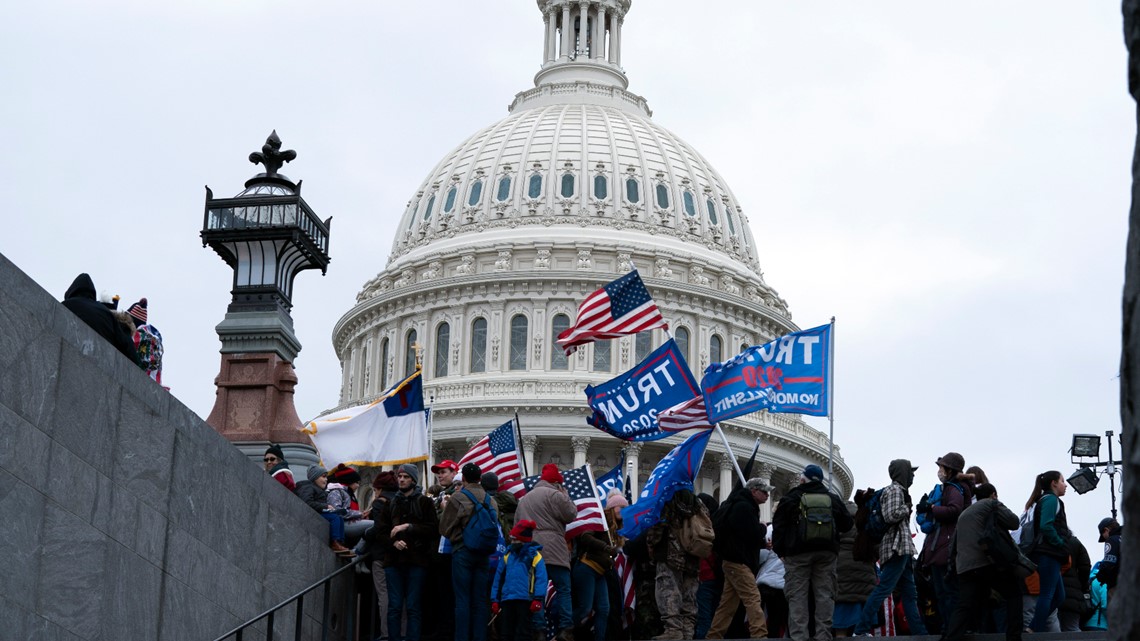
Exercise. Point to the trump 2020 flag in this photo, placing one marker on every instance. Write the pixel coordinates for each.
(611, 480)
(675, 472)
(619, 308)
(627, 406)
(788, 374)
(388, 431)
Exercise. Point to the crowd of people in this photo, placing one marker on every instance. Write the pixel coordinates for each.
(127, 331)
(495, 566)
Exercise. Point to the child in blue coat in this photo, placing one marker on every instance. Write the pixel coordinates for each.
(520, 585)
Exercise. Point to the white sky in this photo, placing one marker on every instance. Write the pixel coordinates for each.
(951, 182)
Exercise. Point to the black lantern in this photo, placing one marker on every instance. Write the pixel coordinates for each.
(1084, 480)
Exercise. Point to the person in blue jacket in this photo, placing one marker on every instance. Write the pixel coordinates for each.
(1098, 620)
(520, 584)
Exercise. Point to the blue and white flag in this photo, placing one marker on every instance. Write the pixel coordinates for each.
(389, 431)
(611, 481)
(627, 406)
(675, 472)
(789, 374)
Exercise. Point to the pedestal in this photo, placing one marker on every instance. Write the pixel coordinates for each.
(255, 400)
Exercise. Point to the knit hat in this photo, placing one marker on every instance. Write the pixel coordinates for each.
(471, 473)
(616, 499)
(138, 310)
(952, 460)
(489, 481)
(813, 473)
(275, 450)
(551, 474)
(385, 480)
(344, 475)
(410, 470)
(524, 531)
(316, 472)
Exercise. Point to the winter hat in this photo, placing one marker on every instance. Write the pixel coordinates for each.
(813, 473)
(275, 450)
(316, 472)
(952, 460)
(524, 531)
(138, 310)
(385, 481)
(410, 470)
(344, 475)
(551, 474)
(471, 473)
(616, 499)
(489, 481)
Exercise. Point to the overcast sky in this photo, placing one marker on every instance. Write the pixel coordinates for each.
(950, 181)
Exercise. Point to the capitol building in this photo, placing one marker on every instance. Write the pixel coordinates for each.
(510, 230)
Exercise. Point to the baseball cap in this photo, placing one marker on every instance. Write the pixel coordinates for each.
(1108, 522)
(445, 465)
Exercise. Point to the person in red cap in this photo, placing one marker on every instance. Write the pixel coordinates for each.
(520, 584)
(442, 627)
(550, 507)
(445, 472)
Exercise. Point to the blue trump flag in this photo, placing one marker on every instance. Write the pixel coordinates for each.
(610, 480)
(675, 472)
(627, 406)
(789, 374)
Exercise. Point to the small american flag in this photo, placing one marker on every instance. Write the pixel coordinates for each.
(497, 452)
(689, 415)
(624, 569)
(549, 613)
(579, 483)
(620, 308)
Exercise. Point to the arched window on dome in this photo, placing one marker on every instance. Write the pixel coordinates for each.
(728, 219)
(534, 186)
(681, 337)
(410, 353)
(662, 196)
(601, 187)
(716, 350)
(518, 342)
(602, 356)
(427, 210)
(559, 324)
(384, 365)
(711, 207)
(442, 348)
(642, 345)
(690, 204)
(567, 190)
(449, 202)
(632, 190)
(504, 191)
(479, 345)
(476, 193)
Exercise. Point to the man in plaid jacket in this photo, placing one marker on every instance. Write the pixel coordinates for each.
(896, 553)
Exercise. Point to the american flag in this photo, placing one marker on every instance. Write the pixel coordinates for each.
(620, 308)
(497, 452)
(549, 613)
(624, 569)
(579, 483)
(690, 415)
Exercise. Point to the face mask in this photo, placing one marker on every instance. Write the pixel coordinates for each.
(942, 475)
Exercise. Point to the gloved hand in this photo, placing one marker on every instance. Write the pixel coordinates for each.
(495, 608)
(535, 605)
(923, 506)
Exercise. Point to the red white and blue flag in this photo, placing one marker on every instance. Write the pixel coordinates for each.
(688, 415)
(497, 452)
(579, 484)
(620, 308)
(624, 569)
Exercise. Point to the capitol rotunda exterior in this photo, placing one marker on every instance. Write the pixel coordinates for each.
(522, 220)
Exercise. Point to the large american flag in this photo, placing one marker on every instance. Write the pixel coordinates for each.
(497, 452)
(620, 308)
(689, 415)
(579, 483)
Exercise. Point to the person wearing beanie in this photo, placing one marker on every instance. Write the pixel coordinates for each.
(147, 341)
(314, 493)
(404, 540)
(506, 504)
(80, 300)
(344, 482)
(277, 467)
(937, 515)
(519, 585)
(470, 572)
(548, 504)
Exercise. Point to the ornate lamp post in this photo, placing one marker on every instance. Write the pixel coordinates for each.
(267, 234)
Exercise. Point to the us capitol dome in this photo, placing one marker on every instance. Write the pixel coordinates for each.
(515, 226)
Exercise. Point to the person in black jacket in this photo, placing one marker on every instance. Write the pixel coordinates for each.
(80, 299)
(806, 529)
(1109, 530)
(1077, 582)
(739, 537)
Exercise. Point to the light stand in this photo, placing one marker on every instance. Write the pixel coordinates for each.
(1086, 477)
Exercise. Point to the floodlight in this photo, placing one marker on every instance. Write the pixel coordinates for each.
(1084, 480)
(1086, 445)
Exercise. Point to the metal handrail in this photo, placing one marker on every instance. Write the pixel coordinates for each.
(299, 598)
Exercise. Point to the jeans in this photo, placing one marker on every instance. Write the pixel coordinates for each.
(590, 591)
(945, 593)
(1052, 593)
(405, 589)
(897, 572)
(469, 576)
(560, 577)
(708, 596)
(336, 526)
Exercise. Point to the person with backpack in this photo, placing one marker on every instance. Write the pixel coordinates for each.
(520, 584)
(805, 533)
(676, 569)
(891, 506)
(1050, 548)
(470, 522)
(548, 504)
(739, 539)
(937, 516)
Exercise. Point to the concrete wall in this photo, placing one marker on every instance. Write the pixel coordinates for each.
(122, 514)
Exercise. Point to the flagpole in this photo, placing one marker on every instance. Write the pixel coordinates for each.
(731, 456)
(518, 450)
(431, 434)
(831, 403)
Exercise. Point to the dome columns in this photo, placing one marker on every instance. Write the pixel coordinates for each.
(575, 43)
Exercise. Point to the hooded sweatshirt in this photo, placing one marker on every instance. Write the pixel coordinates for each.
(896, 508)
(80, 299)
